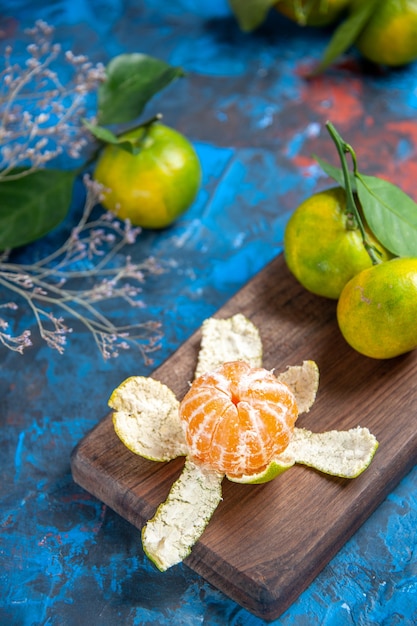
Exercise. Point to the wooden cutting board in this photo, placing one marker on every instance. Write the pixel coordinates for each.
(266, 543)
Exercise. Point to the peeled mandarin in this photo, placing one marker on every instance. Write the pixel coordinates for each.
(238, 418)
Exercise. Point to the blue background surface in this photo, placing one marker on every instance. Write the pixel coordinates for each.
(255, 121)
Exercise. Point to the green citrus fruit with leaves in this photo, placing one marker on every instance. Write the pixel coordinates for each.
(321, 248)
(312, 12)
(154, 185)
(390, 36)
(377, 309)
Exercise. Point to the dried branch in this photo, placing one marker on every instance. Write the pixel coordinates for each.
(40, 116)
(56, 282)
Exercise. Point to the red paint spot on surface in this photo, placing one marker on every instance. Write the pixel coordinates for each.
(339, 102)
(304, 162)
(403, 175)
(404, 128)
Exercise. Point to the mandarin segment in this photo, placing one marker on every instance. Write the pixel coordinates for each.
(238, 418)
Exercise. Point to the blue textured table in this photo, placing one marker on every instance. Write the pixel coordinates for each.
(65, 558)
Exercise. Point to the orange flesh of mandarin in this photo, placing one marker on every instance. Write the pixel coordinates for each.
(238, 418)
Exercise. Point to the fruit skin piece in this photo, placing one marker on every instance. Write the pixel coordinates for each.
(319, 249)
(377, 309)
(343, 453)
(390, 36)
(146, 419)
(179, 521)
(155, 186)
(303, 380)
(232, 339)
(313, 12)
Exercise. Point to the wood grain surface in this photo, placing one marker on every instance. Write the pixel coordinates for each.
(266, 543)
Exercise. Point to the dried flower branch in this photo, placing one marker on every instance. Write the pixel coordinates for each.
(42, 116)
(18, 343)
(39, 114)
(92, 251)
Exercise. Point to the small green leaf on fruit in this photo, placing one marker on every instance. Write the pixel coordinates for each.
(347, 32)
(390, 213)
(336, 173)
(106, 136)
(132, 80)
(251, 13)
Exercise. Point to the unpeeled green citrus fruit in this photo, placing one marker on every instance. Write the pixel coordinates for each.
(155, 186)
(377, 309)
(312, 12)
(321, 249)
(390, 36)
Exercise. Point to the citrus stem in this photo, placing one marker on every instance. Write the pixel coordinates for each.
(147, 125)
(156, 118)
(100, 143)
(352, 211)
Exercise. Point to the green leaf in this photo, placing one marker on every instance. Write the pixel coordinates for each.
(33, 205)
(106, 136)
(336, 173)
(251, 13)
(390, 213)
(347, 32)
(132, 80)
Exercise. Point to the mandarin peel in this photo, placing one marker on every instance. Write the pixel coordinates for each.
(150, 421)
(236, 338)
(146, 419)
(179, 521)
